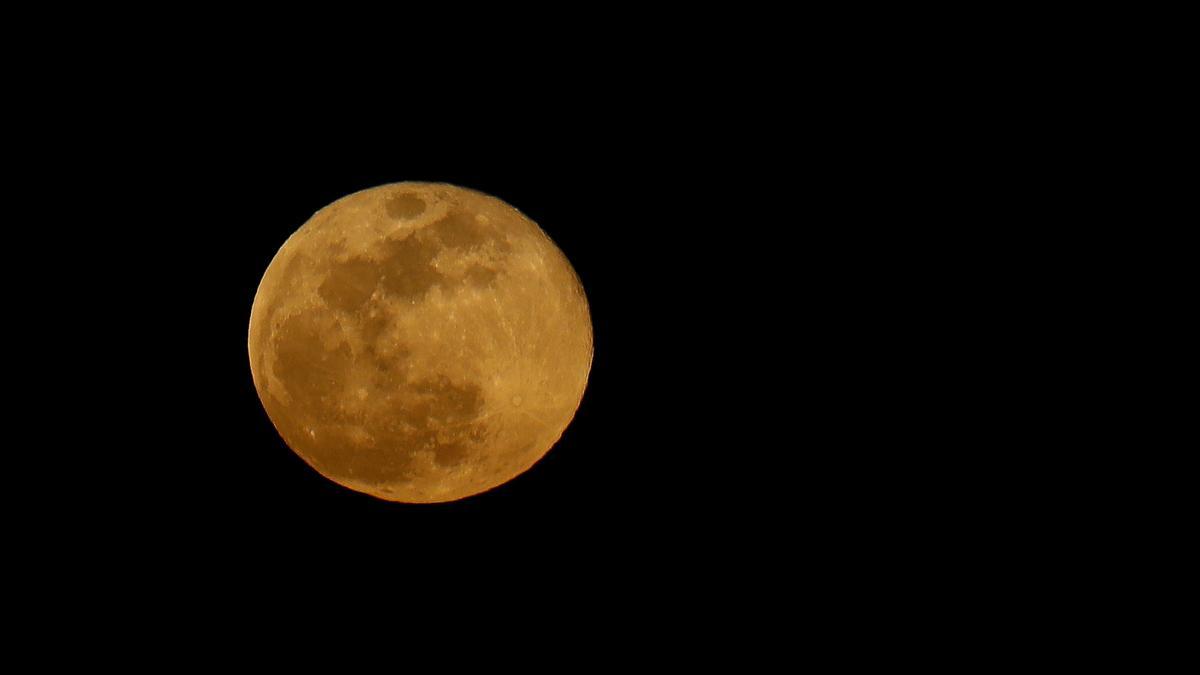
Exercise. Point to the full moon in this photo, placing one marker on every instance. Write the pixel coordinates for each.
(420, 342)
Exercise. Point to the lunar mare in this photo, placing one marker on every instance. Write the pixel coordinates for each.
(420, 342)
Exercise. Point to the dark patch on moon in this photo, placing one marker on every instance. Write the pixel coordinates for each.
(388, 370)
(405, 206)
(459, 230)
(437, 415)
(404, 268)
(409, 271)
(444, 402)
(310, 372)
(431, 415)
(478, 275)
(373, 326)
(349, 284)
(383, 460)
(294, 270)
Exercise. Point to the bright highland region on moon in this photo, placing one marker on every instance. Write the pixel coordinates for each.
(420, 342)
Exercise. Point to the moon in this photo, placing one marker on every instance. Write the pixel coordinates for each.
(420, 342)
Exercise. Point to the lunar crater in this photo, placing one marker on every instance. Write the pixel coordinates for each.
(405, 206)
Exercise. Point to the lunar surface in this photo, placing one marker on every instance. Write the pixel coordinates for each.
(420, 342)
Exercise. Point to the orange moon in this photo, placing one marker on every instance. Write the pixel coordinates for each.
(420, 342)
